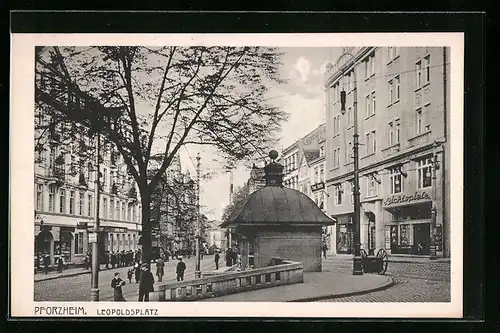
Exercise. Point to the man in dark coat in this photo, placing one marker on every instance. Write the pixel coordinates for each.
(60, 264)
(160, 269)
(117, 284)
(146, 283)
(181, 267)
(137, 271)
(46, 263)
(216, 260)
(229, 257)
(113, 259)
(106, 259)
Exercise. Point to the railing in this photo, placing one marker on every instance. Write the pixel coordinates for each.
(395, 148)
(284, 272)
(420, 139)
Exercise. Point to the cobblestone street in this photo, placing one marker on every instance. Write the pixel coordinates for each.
(77, 288)
(413, 282)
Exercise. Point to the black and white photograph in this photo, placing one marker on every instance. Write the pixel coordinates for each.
(177, 170)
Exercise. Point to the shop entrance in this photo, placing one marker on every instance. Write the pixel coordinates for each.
(345, 239)
(421, 237)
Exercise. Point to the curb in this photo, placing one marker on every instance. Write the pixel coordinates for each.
(387, 285)
(67, 275)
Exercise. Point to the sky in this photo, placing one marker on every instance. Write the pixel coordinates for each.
(302, 97)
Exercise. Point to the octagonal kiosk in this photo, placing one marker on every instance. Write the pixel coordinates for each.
(276, 222)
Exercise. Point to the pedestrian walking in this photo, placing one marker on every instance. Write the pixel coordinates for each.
(146, 284)
(117, 283)
(324, 248)
(160, 269)
(181, 267)
(130, 273)
(60, 265)
(137, 272)
(228, 258)
(46, 263)
(216, 260)
(107, 259)
(113, 259)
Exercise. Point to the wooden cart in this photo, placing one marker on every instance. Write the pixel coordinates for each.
(375, 264)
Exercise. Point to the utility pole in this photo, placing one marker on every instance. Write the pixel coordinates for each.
(357, 261)
(197, 273)
(229, 243)
(94, 291)
(434, 167)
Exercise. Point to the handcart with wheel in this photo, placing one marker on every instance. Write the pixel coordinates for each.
(375, 264)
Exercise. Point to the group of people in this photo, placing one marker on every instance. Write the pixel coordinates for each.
(122, 259)
(144, 277)
(58, 261)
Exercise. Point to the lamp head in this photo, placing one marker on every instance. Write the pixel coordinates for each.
(342, 102)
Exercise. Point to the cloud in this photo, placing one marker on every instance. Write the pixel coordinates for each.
(303, 67)
(321, 69)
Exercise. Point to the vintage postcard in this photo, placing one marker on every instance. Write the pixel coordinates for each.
(153, 173)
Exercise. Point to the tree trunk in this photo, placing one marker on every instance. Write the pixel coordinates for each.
(146, 228)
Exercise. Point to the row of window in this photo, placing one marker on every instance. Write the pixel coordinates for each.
(424, 180)
(422, 77)
(293, 182)
(113, 177)
(291, 162)
(118, 209)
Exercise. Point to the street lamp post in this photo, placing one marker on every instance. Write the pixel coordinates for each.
(94, 291)
(197, 273)
(97, 127)
(357, 263)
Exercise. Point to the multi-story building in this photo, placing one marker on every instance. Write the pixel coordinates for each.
(65, 201)
(305, 165)
(256, 180)
(402, 110)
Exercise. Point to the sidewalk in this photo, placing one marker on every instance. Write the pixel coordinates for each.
(393, 258)
(81, 270)
(41, 276)
(316, 286)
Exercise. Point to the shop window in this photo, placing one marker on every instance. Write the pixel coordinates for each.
(78, 243)
(63, 246)
(424, 171)
(404, 235)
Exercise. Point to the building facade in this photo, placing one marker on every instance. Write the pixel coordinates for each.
(402, 109)
(305, 170)
(65, 202)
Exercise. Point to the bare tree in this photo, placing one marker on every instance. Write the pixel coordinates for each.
(170, 97)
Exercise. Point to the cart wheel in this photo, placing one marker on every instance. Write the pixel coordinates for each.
(363, 253)
(385, 260)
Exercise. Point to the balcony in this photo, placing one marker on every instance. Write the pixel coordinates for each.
(420, 139)
(395, 148)
(57, 175)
